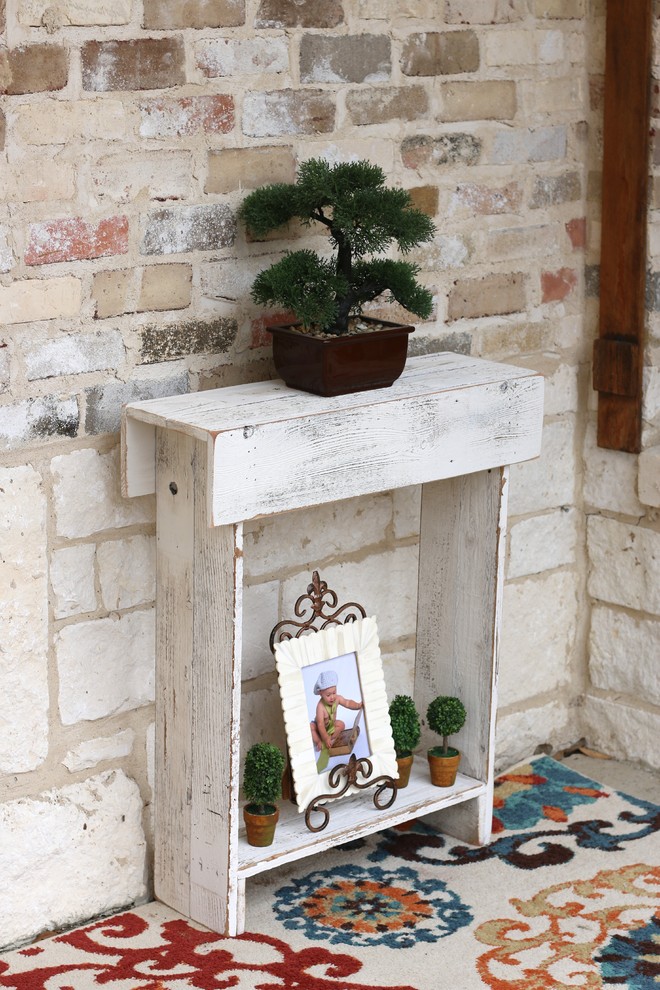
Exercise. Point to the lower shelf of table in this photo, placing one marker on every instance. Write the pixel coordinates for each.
(352, 818)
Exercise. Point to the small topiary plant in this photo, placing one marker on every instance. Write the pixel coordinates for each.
(262, 778)
(406, 729)
(445, 715)
(362, 218)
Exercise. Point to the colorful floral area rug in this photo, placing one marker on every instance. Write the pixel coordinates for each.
(566, 895)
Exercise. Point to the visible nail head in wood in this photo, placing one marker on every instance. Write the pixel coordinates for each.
(174, 487)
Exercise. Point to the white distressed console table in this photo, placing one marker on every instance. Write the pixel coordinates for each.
(217, 458)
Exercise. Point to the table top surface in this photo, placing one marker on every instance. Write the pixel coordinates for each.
(208, 413)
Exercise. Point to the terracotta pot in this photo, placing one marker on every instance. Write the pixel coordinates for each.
(340, 365)
(260, 828)
(404, 764)
(444, 768)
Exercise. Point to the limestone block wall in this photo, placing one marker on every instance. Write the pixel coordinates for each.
(129, 131)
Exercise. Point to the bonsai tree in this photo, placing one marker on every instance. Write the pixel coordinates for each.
(362, 218)
(404, 720)
(262, 778)
(445, 715)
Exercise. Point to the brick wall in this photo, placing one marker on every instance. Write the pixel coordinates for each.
(128, 133)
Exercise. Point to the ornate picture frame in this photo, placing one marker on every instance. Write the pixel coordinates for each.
(349, 655)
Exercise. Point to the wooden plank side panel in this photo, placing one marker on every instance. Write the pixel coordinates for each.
(625, 184)
(306, 462)
(460, 575)
(138, 456)
(217, 596)
(174, 651)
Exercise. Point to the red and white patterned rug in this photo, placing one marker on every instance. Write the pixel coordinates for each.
(567, 895)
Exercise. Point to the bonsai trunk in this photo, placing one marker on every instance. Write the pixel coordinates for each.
(445, 744)
(344, 268)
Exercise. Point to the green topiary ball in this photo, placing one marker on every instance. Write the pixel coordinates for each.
(446, 715)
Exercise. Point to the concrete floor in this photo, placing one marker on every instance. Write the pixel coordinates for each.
(627, 777)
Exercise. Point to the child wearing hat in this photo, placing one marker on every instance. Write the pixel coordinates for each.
(326, 727)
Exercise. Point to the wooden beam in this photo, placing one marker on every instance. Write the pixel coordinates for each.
(618, 361)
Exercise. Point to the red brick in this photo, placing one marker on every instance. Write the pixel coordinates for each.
(577, 232)
(170, 15)
(33, 69)
(187, 116)
(259, 335)
(150, 63)
(555, 286)
(73, 239)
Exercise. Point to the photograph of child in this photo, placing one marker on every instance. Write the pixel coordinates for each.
(324, 682)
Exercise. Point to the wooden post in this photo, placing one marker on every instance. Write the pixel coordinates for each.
(618, 353)
(462, 537)
(199, 587)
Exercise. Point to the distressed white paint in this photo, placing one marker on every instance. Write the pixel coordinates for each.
(355, 817)
(450, 422)
(447, 415)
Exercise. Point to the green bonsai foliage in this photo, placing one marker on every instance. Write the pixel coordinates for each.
(262, 777)
(445, 715)
(362, 218)
(404, 720)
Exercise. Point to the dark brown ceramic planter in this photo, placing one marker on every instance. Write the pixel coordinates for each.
(339, 365)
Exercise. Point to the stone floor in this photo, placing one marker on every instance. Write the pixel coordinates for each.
(627, 777)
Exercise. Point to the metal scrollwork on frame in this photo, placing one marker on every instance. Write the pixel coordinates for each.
(350, 772)
(318, 598)
(356, 773)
